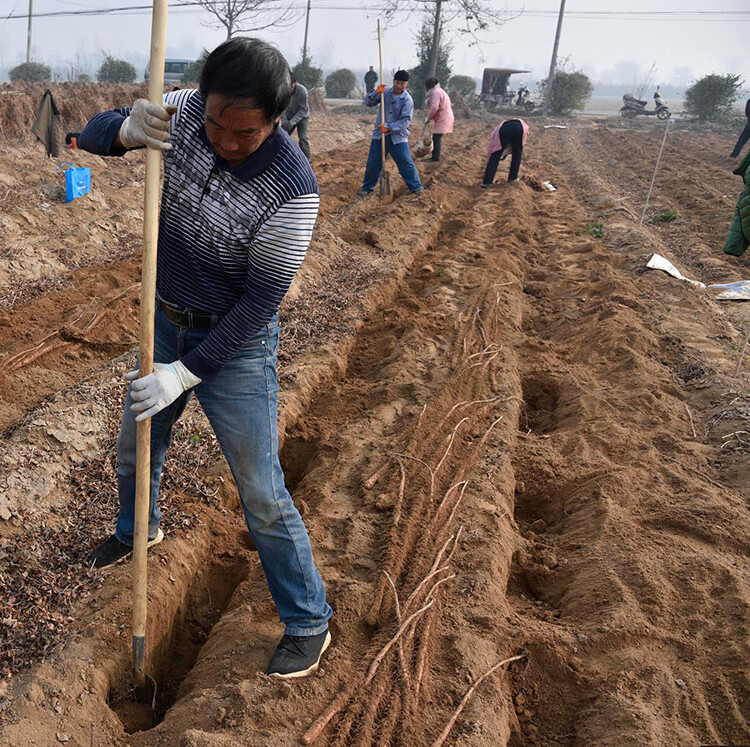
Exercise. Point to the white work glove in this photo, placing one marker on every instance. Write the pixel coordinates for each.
(148, 124)
(154, 392)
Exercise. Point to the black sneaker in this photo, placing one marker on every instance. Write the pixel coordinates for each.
(113, 551)
(298, 656)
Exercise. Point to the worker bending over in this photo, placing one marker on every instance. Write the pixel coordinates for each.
(508, 137)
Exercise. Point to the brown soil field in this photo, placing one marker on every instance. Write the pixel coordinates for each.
(509, 440)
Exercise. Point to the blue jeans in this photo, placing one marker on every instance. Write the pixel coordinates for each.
(241, 406)
(399, 152)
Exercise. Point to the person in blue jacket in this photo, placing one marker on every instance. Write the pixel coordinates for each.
(399, 109)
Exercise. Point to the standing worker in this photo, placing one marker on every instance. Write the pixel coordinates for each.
(371, 78)
(297, 115)
(508, 137)
(745, 134)
(440, 113)
(238, 207)
(399, 109)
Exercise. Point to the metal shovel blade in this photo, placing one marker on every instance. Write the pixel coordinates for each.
(384, 184)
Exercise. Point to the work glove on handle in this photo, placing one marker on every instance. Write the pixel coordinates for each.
(148, 124)
(154, 392)
(380, 89)
(383, 128)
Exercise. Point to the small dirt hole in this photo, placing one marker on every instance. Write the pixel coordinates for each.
(541, 399)
(296, 455)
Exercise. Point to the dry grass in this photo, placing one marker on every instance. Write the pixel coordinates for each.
(44, 572)
(78, 102)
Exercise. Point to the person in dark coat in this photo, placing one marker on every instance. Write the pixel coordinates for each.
(297, 116)
(745, 134)
(371, 78)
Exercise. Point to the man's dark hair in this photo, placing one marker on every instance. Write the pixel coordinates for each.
(244, 68)
(294, 77)
(431, 82)
(401, 75)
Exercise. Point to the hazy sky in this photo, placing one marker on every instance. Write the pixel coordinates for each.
(608, 47)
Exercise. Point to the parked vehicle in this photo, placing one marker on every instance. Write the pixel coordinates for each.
(523, 99)
(633, 107)
(495, 90)
(173, 70)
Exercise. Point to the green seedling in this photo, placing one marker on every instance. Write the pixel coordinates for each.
(594, 229)
(666, 217)
(195, 439)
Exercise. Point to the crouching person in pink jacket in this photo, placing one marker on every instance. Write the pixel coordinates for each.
(508, 137)
(440, 113)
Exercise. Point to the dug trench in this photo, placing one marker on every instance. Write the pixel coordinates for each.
(169, 603)
(494, 463)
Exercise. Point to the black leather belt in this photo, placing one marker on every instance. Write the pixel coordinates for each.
(188, 318)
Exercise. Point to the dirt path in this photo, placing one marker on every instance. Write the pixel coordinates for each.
(502, 434)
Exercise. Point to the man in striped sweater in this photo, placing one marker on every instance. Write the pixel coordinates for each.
(238, 207)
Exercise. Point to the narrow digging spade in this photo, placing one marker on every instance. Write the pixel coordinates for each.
(384, 183)
(425, 142)
(144, 685)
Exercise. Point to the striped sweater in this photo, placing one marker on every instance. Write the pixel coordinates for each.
(230, 239)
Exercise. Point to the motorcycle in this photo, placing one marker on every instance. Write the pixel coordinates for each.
(517, 99)
(523, 99)
(633, 107)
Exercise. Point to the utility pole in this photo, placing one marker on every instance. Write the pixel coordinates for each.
(307, 26)
(28, 35)
(553, 62)
(435, 41)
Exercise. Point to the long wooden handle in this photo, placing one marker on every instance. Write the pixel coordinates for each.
(382, 95)
(148, 295)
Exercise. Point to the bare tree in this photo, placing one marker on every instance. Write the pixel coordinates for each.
(242, 16)
(469, 17)
(79, 66)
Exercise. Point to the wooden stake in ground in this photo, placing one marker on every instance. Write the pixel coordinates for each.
(384, 183)
(742, 352)
(653, 178)
(148, 294)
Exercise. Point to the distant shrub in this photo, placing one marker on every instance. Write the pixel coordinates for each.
(340, 83)
(307, 74)
(83, 78)
(667, 216)
(30, 72)
(464, 84)
(116, 71)
(570, 91)
(712, 97)
(193, 71)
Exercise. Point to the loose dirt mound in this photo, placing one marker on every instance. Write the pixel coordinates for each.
(509, 443)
